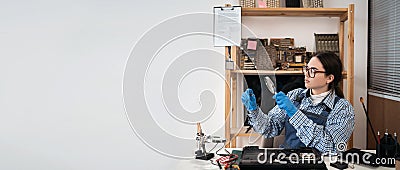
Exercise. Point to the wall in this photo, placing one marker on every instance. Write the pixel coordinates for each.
(62, 69)
(360, 69)
(383, 115)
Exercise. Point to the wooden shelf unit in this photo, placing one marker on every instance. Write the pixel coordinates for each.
(231, 98)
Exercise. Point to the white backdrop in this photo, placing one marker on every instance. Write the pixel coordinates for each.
(62, 68)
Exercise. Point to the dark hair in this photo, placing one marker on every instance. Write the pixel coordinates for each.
(332, 65)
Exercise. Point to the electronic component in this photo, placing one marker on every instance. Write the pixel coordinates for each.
(201, 153)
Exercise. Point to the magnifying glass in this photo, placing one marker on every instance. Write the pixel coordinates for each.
(270, 85)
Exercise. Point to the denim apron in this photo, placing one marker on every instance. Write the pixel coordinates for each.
(292, 141)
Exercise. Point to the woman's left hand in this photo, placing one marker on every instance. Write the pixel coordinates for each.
(284, 103)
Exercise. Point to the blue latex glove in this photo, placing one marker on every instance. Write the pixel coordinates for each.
(249, 100)
(284, 103)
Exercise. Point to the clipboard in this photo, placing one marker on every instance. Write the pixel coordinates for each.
(227, 26)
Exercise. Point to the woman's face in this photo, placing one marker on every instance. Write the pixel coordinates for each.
(320, 83)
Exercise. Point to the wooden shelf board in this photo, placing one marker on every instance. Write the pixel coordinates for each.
(267, 72)
(272, 72)
(238, 132)
(296, 12)
(297, 64)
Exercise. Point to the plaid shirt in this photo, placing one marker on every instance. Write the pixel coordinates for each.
(339, 125)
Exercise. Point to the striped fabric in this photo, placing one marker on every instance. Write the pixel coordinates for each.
(338, 128)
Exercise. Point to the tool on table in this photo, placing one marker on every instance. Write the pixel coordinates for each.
(202, 139)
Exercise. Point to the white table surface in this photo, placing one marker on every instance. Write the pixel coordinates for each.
(206, 164)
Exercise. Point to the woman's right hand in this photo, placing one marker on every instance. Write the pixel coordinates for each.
(249, 100)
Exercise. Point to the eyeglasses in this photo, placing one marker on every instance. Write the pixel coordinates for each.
(311, 71)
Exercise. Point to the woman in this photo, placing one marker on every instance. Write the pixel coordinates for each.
(317, 116)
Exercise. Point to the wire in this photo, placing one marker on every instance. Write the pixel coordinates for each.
(227, 161)
(213, 147)
(220, 149)
(229, 52)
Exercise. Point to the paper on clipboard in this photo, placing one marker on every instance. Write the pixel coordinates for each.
(227, 26)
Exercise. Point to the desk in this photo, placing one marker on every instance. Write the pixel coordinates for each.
(206, 164)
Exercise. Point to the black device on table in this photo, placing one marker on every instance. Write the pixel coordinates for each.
(386, 149)
(339, 165)
(305, 158)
